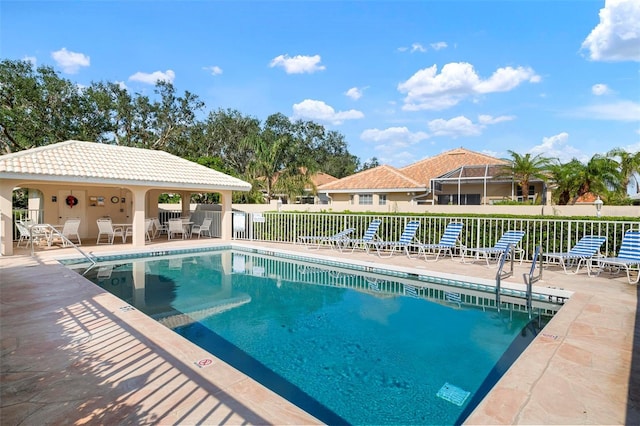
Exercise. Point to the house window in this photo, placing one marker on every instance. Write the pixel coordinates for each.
(365, 199)
(382, 199)
(531, 195)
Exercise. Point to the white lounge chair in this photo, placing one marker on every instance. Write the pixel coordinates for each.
(317, 241)
(582, 253)
(628, 258)
(498, 250)
(404, 243)
(370, 236)
(447, 242)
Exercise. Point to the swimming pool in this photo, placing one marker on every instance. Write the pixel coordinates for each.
(345, 343)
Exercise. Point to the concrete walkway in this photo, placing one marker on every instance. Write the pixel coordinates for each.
(74, 354)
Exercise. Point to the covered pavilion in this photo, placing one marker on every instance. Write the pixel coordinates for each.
(92, 180)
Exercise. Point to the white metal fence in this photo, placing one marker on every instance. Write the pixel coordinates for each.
(553, 235)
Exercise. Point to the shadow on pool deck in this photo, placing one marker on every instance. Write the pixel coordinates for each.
(72, 354)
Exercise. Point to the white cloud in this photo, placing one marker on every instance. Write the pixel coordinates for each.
(417, 47)
(439, 45)
(488, 119)
(298, 64)
(214, 70)
(617, 36)
(400, 135)
(122, 85)
(600, 89)
(557, 146)
(427, 89)
(317, 110)
(617, 111)
(154, 77)
(393, 144)
(355, 93)
(70, 62)
(457, 126)
(505, 79)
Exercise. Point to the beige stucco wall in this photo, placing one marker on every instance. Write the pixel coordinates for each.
(551, 210)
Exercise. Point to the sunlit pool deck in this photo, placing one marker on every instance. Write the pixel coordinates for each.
(74, 354)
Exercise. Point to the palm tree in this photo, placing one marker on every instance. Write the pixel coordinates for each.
(567, 184)
(523, 168)
(600, 175)
(629, 164)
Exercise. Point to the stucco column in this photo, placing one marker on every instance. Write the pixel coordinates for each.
(185, 202)
(6, 222)
(227, 215)
(139, 203)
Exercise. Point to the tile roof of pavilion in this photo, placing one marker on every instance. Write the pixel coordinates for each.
(98, 163)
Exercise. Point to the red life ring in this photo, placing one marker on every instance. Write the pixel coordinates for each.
(71, 201)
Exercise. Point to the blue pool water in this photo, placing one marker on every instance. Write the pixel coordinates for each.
(347, 346)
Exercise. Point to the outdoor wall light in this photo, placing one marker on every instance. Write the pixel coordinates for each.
(598, 203)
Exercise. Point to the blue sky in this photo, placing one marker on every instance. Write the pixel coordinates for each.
(402, 80)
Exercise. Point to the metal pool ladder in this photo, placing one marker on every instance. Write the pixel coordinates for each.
(509, 250)
(531, 278)
(65, 240)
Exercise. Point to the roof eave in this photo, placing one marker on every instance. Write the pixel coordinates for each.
(121, 182)
(367, 190)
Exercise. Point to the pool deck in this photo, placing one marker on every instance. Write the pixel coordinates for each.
(75, 354)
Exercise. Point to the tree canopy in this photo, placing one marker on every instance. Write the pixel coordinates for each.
(37, 107)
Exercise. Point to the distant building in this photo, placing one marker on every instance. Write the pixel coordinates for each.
(458, 176)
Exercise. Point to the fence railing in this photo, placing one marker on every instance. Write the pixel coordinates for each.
(553, 235)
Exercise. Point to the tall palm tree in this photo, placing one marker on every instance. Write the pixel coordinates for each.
(523, 168)
(629, 164)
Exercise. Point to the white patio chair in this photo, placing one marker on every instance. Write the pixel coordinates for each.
(148, 229)
(158, 228)
(204, 228)
(25, 235)
(176, 227)
(106, 229)
(70, 231)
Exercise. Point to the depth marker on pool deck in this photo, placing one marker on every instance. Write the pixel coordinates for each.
(205, 362)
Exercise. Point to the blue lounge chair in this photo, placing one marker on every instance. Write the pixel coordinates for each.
(405, 241)
(316, 241)
(628, 257)
(447, 242)
(582, 253)
(370, 236)
(498, 250)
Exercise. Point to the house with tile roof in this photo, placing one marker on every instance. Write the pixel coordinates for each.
(91, 180)
(458, 176)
